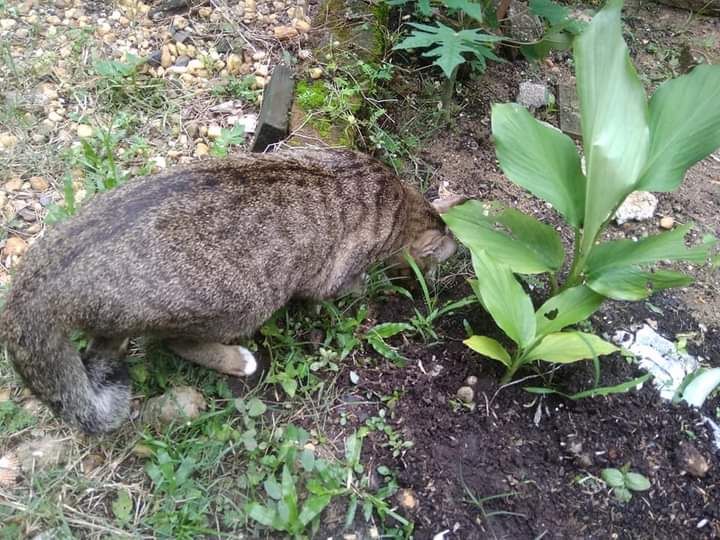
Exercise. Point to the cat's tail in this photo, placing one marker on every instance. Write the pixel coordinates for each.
(92, 393)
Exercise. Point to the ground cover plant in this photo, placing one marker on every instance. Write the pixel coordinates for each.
(462, 32)
(629, 144)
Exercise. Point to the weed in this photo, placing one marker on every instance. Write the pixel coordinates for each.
(235, 88)
(122, 83)
(228, 137)
(623, 483)
(395, 442)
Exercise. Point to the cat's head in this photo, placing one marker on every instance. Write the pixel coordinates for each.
(429, 240)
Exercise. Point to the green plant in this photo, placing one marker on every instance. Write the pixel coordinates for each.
(628, 145)
(424, 323)
(460, 40)
(122, 83)
(228, 137)
(395, 442)
(623, 482)
(238, 89)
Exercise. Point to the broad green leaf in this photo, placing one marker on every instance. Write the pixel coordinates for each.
(684, 127)
(622, 494)
(386, 330)
(312, 508)
(289, 386)
(567, 347)
(614, 118)
(551, 41)
(513, 238)
(272, 488)
(593, 392)
(613, 477)
(445, 44)
(424, 7)
(262, 514)
(702, 385)
(569, 307)
(473, 9)
(539, 158)
(550, 11)
(289, 495)
(636, 482)
(665, 246)
(255, 408)
(632, 283)
(504, 298)
(122, 507)
(489, 347)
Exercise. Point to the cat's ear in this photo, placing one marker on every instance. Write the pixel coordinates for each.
(443, 205)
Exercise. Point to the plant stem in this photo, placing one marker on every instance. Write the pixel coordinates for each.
(448, 88)
(514, 366)
(553, 284)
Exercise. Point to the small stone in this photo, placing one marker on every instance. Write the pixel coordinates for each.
(263, 70)
(233, 63)
(177, 404)
(182, 61)
(179, 23)
(9, 470)
(691, 460)
(13, 185)
(472, 380)
(533, 95)
(160, 162)
(195, 65)
(38, 183)
(201, 150)
(466, 394)
(7, 141)
(214, 131)
(14, 246)
(165, 57)
(41, 454)
(302, 25)
(639, 206)
(92, 462)
(667, 223)
(54, 117)
(6, 24)
(285, 32)
(259, 55)
(406, 498)
(205, 12)
(84, 131)
(315, 73)
(260, 82)
(304, 54)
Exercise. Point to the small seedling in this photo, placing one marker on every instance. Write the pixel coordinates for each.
(623, 483)
(228, 138)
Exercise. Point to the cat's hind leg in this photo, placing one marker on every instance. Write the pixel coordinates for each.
(229, 359)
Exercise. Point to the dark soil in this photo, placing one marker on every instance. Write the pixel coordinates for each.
(545, 454)
(540, 458)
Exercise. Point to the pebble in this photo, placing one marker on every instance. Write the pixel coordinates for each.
(6, 24)
(38, 183)
(201, 150)
(14, 246)
(639, 206)
(205, 12)
(285, 32)
(179, 22)
(54, 117)
(260, 82)
(263, 70)
(177, 404)
(315, 73)
(533, 95)
(472, 380)
(165, 57)
(214, 131)
(692, 461)
(195, 65)
(233, 63)
(41, 454)
(302, 25)
(406, 499)
(7, 141)
(84, 131)
(466, 394)
(13, 185)
(667, 223)
(259, 55)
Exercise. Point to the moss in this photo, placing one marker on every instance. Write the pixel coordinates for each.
(311, 96)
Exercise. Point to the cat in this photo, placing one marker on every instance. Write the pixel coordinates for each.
(199, 257)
